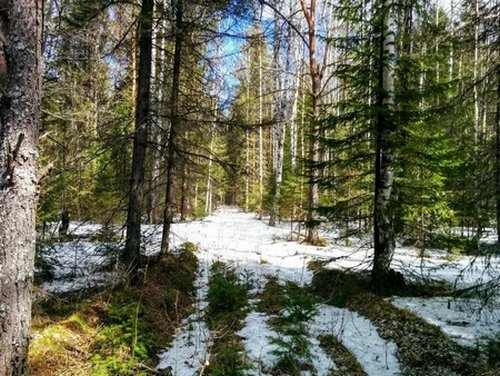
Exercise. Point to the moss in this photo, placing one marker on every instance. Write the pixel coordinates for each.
(336, 286)
(114, 333)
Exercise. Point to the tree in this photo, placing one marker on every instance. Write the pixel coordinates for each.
(168, 213)
(384, 241)
(20, 120)
(132, 254)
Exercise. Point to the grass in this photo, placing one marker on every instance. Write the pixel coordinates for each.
(423, 349)
(117, 332)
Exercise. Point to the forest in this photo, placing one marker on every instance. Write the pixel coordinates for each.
(249, 187)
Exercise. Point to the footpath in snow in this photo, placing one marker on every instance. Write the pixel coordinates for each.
(257, 250)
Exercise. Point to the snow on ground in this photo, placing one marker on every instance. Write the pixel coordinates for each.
(256, 335)
(75, 265)
(189, 351)
(360, 337)
(257, 250)
(463, 320)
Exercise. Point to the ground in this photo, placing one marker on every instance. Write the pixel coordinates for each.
(286, 323)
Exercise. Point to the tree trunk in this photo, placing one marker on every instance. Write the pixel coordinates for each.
(168, 213)
(261, 152)
(158, 58)
(316, 73)
(279, 125)
(19, 124)
(497, 154)
(184, 190)
(132, 254)
(384, 166)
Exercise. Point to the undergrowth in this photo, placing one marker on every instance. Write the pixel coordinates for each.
(346, 362)
(293, 344)
(227, 307)
(423, 349)
(117, 332)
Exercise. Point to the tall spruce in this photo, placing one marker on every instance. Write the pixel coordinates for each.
(132, 254)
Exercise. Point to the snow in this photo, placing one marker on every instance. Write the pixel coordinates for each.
(463, 320)
(256, 251)
(76, 265)
(256, 335)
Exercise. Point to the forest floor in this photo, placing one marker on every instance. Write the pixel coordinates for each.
(265, 305)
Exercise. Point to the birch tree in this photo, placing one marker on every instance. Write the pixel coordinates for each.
(384, 241)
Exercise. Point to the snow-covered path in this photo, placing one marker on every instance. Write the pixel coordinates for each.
(257, 250)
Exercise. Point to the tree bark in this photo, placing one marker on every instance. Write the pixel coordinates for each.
(497, 155)
(384, 166)
(132, 254)
(316, 73)
(19, 125)
(168, 213)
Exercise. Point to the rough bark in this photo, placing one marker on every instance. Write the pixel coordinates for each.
(19, 124)
(168, 213)
(384, 166)
(132, 254)
(497, 155)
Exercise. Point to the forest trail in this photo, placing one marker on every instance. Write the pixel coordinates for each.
(271, 302)
(257, 251)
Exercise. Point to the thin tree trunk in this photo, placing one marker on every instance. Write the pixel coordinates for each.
(19, 125)
(316, 73)
(184, 190)
(168, 214)
(261, 157)
(158, 74)
(384, 168)
(208, 199)
(132, 254)
(475, 75)
(497, 155)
